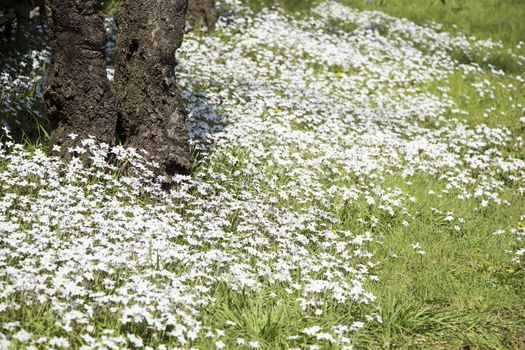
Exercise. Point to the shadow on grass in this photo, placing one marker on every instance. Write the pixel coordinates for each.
(22, 109)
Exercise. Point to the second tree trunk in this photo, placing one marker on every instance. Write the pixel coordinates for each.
(151, 115)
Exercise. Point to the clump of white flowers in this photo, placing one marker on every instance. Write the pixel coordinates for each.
(78, 242)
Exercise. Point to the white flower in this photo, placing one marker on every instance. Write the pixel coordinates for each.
(22, 336)
(230, 323)
(136, 341)
(59, 342)
(312, 330)
(357, 325)
(254, 344)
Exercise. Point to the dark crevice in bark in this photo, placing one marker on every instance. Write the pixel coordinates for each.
(133, 47)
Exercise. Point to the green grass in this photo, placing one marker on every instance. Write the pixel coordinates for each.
(461, 291)
(496, 19)
(495, 110)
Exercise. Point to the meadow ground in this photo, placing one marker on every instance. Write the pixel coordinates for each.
(359, 182)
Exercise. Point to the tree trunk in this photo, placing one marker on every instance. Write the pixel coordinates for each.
(202, 14)
(151, 115)
(79, 97)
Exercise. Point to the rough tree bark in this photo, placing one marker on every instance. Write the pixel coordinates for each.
(151, 115)
(79, 98)
(202, 14)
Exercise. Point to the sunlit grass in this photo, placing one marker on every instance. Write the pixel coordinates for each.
(464, 288)
(496, 19)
